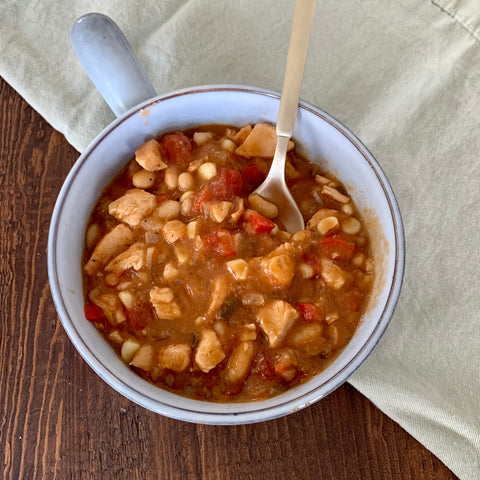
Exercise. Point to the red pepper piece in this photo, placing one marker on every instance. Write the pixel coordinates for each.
(93, 312)
(337, 248)
(222, 242)
(259, 223)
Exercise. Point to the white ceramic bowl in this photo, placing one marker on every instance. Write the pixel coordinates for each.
(321, 138)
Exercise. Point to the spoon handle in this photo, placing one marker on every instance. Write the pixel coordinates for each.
(108, 58)
(297, 54)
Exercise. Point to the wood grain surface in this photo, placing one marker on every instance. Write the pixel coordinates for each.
(59, 420)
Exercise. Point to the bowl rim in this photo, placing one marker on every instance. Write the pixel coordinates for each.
(230, 417)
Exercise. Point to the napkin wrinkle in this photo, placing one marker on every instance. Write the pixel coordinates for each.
(455, 10)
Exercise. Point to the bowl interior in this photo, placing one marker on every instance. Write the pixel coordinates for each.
(321, 138)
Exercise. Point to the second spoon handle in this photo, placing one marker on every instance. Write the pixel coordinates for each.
(108, 59)
(297, 54)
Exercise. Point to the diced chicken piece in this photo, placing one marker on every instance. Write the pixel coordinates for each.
(209, 351)
(239, 363)
(115, 336)
(149, 156)
(334, 194)
(280, 270)
(255, 299)
(320, 215)
(238, 268)
(261, 142)
(333, 274)
(308, 338)
(174, 230)
(111, 306)
(134, 257)
(175, 357)
(133, 206)
(279, 265)
(161, 295)
(322, 180)
(248, 332)
(162, 299)
(242, 134)
(275, 319)
(153, 224)
(221, 287)
(219, 210)
(238, 209)
(113, 243)
(168, 311)
(170, 272)
(143, 359)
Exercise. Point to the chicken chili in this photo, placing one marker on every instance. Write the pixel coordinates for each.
(193, 281)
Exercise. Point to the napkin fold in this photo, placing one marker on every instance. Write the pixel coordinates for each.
(403, 75)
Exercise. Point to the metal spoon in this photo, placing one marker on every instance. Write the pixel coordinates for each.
(274, 187)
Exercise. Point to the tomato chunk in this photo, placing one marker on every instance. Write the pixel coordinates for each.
(226, 184)
(93, 312)
(177, 147)
(260, 224)
(337, 248)
(222, 242)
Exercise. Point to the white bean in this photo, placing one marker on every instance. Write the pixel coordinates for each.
(129, 349)
(207, 171)
(201, 138)
(326, 224)
(266, 208)
(186, 181)
(351, 225)
(169, 209)
(143, 179)
(228, 145)
(171, 178)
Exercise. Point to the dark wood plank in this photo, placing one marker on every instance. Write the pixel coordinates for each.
(58, 420)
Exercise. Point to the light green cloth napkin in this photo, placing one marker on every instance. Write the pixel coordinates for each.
(404, 75)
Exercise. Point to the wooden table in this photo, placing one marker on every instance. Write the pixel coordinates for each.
(58, 420)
